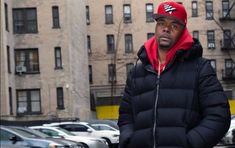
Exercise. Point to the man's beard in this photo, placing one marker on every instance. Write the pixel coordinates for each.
(164, 47)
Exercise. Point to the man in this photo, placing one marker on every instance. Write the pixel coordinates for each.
(172, 98)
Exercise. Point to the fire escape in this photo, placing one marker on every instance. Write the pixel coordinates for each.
(227, 16)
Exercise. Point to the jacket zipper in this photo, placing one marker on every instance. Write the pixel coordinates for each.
(155, 108)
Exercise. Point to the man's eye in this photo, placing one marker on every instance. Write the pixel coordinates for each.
(175, 26)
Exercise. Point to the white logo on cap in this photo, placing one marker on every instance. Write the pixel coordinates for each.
(169, 8)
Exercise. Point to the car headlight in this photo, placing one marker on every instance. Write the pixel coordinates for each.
(55, 145)
(77, 146)
(115, 135)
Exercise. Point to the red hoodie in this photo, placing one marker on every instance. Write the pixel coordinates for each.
(184, 43)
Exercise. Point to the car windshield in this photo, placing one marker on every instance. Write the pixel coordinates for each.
(101, 127)
(28, 131)
(23, 133)
(40, 133)
(65, 131)
(36, 133)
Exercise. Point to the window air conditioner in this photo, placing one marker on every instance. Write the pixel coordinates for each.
(211, 45)
(21, 110)
(20, 68)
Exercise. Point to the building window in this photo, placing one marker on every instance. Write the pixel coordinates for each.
(26, 61)
(209, 10)
(196, 34)
(60, 97)
(87, 15)
(227, 41)
(229, 68)
(112, 72)
(25, 20)
(129, 66)
(149, 35)
(6, 16)
(110, 43)
(10, 101)
(194, 9)
(213, 64)
(128, 43)
(58, 58)
(89, 44)
(127, 13)
(8, 59)
(108, 14)
(90, 74)
(55, 17)
(149, 13)
(225, 8)
(28, 101)
(211, 39)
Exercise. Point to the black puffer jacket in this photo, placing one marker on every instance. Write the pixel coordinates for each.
(185, 107)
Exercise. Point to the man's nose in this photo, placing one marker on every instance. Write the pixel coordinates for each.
(166, 28)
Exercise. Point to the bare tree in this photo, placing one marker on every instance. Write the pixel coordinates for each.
(114, 58)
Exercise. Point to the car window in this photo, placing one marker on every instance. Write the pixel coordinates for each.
(5, 136)
(38, 133)
(49, 132)
(96, 127)
(30, 132)
(75, 127)
(102, 127)
(23, 133)
(65, 131)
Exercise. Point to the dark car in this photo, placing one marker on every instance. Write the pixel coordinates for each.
(65, 142)
(11, 136)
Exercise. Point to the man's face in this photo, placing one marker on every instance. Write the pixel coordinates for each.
(168, 32)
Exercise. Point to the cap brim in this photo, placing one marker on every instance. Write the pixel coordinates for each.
(157, 16)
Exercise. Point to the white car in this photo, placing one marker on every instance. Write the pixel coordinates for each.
(86, 129)
(228, 138)
(57, 132)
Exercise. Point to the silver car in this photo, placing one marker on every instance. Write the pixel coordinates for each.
(9, 136)
(56, 132)
(66, 143)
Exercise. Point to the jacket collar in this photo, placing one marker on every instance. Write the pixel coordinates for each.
(195, 52)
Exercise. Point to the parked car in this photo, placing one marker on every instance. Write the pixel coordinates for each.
(57, 132)
(10, 136)
(104, 127)
(66, 143)
(86, 129)
(229, 137)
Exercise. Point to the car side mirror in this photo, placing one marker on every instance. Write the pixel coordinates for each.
(89, 130)
(14, 139)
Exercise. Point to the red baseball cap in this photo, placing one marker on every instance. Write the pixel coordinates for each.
(171, 9)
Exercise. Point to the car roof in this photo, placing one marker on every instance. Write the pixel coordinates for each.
(61, 123)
